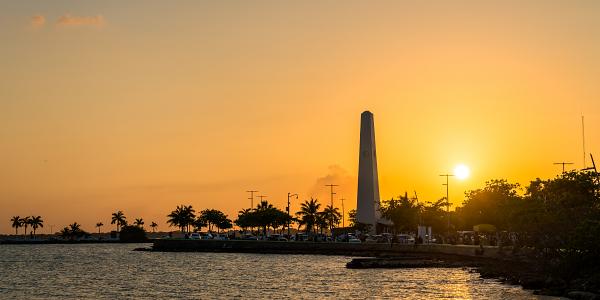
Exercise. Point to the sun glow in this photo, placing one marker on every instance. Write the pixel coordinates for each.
(461, 171)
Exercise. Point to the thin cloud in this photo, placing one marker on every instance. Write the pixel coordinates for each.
(37, 21)
(336, 175)
(73, 21)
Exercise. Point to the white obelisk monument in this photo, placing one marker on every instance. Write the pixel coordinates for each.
(367, 200)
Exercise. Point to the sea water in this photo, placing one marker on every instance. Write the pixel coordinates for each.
(114, 271)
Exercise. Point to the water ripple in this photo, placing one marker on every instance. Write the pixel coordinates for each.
(113, 271)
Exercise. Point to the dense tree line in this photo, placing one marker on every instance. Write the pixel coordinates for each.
(184, 217)
(558, 217)
(34, 222)
(74, 230)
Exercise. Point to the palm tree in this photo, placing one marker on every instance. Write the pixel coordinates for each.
(183, 216)
(99, 224)
(263, 215)
(72, 231)
(139, 222)
(308, 214)
(332, 217)
(321, 222)
(36, 222)
(65, 232)
(25, 222)
(16, 223)
(263, 205)
(119, 219)
(245, 219)
(75, 227)
(153, 225)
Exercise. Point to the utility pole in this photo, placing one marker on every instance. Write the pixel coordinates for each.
(563, 165)
(583, 140)
(261, 197)
(447, 198)
(288, 211)
(343, 214)
(332, 193)
(251, 198)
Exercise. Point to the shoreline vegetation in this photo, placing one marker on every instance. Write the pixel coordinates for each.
(556, 222)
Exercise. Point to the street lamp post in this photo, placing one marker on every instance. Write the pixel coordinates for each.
(447, 199)
(288, 211)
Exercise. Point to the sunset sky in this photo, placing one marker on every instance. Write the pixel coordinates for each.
(143, 105)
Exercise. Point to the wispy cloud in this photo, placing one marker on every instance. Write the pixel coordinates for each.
(335, 175)
(37, 21)
(69, 20)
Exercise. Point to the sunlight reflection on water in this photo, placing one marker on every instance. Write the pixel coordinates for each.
(114, 271)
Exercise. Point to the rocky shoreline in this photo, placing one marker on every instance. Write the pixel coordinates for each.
(528, 274)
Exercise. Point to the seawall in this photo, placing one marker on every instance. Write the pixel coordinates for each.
(349, 249)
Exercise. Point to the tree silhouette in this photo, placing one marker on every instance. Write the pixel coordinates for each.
(332, 217)
(198, 223)
(245, 219)
(352, 218)
(403, 212)
(25, 221)
(153, 225)
(73, 231)
(119, 219)
(16, 223)
(183, 216)
(214, 217)
(308, 214)
(36, 222)
(99, 224)
(139, 222)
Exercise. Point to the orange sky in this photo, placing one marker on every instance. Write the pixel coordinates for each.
(143, 106)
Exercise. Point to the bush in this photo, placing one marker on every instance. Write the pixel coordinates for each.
(132, 234)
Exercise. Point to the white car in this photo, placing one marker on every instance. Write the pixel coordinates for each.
(195, 236)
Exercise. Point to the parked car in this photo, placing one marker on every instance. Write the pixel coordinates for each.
(277, 237)
(353, 240)
(406, 239)
(371, 239)
(249, 237)
(195, 236)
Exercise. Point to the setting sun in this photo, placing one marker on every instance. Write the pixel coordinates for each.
(461, 171)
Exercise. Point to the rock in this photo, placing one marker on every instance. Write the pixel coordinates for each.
(531, 282)
(142, 249)
(398, 262)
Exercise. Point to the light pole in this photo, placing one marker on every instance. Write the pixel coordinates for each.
(447, 199)
(288, 211)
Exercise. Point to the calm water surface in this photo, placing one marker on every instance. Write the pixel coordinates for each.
(113, 271)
